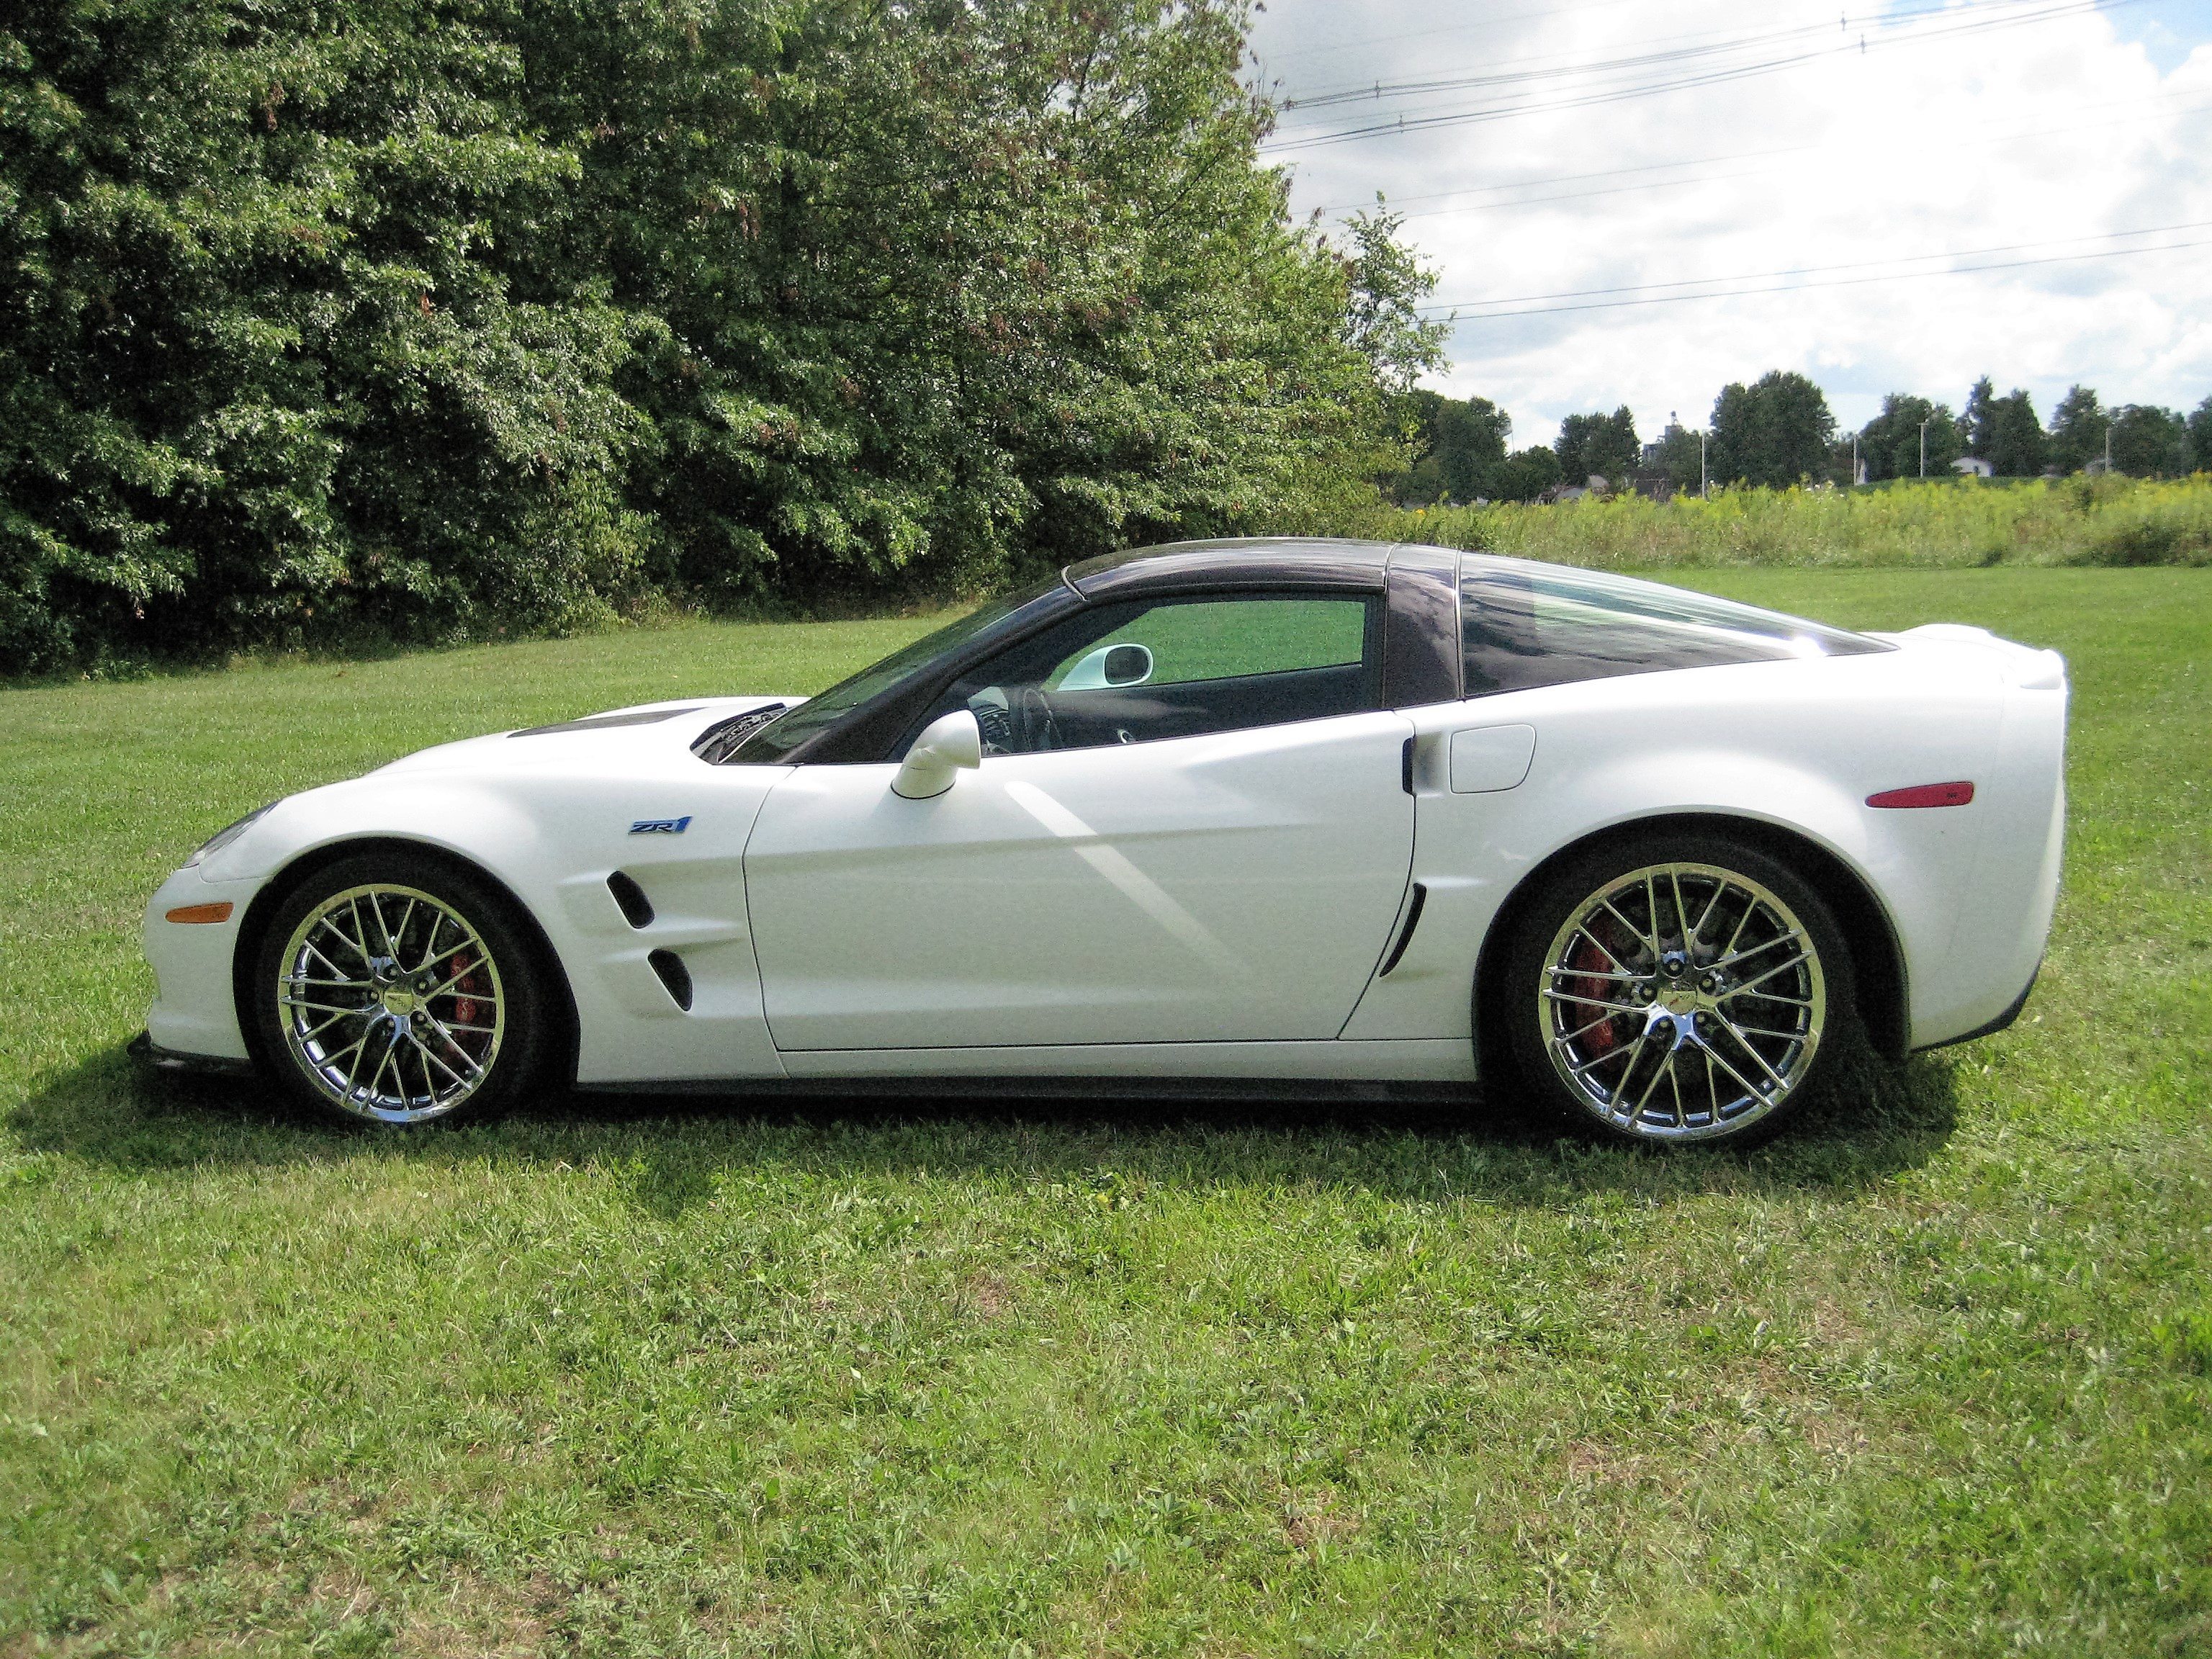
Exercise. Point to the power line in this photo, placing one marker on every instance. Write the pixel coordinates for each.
(1820, 271)
(1379, 89)
(1841, 282)
(2013, 137)
(1403, 124)
(1353, 43)
(1893, 30)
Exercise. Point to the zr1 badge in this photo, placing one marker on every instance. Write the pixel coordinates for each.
(661, 826)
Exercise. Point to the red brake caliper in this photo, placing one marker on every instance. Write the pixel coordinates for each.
(1589, 959)
(464, 987)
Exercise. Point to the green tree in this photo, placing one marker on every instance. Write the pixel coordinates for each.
(2078, 426)
(1599, 446)
(2150, 442)
(1459, 443)
(1528, 474)
(1680, 454)
(2200, 436)
(2013, 444)
(1978, 420)
(1776, 431)
(1890, 443)
(427, 316)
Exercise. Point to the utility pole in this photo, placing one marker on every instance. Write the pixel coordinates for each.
(1924, 446)
(1705, 485)
(1855, 460)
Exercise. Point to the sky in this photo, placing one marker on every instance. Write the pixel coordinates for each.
(1560, 157)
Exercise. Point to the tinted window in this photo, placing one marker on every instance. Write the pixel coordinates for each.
(1140, 672)
(1527, 625)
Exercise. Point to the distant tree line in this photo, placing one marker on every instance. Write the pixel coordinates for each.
(1780, 431)
(426, 317)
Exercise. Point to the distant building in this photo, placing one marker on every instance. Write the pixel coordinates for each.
(1972, 466)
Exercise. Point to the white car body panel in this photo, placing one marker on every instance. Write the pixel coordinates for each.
(1215, 907)
(1234, 887)
(1757, 741)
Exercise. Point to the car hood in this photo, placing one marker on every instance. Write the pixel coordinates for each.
(618, 737)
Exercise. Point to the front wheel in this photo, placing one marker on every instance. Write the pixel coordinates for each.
(1685, 990)
(397, 990)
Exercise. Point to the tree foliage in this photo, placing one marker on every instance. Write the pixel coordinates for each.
(427, 316)
(1681, 455)
(1891, 444)
(2150, 442)
(1599, 447)
(1776, 431)
(1459, 447)
(2004, 431)
(2078, 426)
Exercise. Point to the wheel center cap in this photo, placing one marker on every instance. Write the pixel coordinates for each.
(400, 999)
(1679, 999)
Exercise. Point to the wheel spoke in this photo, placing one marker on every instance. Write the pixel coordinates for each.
(1722, 1060)
(1592, 1002)
(1665, 1068)
(328, 1007)
(1586, 933)
(1635, 931)
(1635, 1054)
(1773, 1076)
(1720, 892)
(1778, 967)
(1602, 1019)
(1792, 937)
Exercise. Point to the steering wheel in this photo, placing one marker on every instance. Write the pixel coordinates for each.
(1039, 729)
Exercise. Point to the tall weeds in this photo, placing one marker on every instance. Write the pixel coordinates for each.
(2076, 521)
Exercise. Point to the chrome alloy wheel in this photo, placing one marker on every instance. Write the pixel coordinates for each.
(1682, 1001)
(390, 1003)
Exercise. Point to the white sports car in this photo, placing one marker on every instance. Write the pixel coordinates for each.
(1220, 816)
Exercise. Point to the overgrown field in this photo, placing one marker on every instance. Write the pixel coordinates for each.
(1931, 1376)
(2073, 521)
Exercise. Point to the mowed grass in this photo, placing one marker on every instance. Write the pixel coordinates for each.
(1931, 1376)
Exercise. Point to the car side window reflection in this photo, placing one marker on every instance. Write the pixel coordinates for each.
(1141, 671)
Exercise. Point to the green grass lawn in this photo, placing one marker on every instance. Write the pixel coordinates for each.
(1931, 1376)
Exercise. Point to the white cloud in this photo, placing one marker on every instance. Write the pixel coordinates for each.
(2064, 128)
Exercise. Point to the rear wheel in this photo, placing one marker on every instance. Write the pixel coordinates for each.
(1686, 990)
(398, 990)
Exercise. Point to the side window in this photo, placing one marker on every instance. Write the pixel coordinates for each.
(1140, 672)
(1529, 625)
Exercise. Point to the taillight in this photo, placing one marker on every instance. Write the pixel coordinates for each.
(1925, 794)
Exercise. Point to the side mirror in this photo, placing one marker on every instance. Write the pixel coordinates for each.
(944, 747)
(1127, 663)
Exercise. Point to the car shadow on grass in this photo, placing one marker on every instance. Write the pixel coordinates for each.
(1873, 1120)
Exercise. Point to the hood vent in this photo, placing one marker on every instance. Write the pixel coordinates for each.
(719, 741)
(601, 722)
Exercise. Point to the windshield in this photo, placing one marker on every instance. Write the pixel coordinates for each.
(768, 745)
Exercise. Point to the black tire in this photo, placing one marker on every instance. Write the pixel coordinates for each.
(479, 1044)
(1697, 1046)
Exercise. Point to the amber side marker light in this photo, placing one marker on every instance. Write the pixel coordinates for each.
(201, 911)
(1925, 794)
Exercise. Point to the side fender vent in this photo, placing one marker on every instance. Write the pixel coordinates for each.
(674, 975)
(636, 909)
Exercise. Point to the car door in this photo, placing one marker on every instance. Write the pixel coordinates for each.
(1214, 851)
